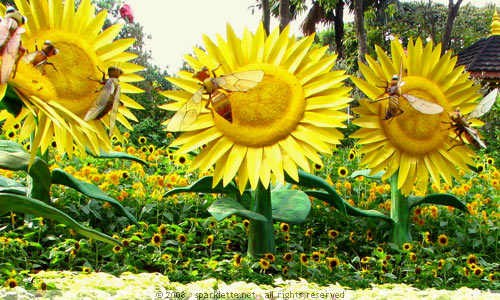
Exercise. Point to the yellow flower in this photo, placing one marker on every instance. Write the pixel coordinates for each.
(443, 240)
(11, 283)
(342, 171)
(181, 238)
(236, 260)
(57, 100)
(333, 262)
(156, 239)
(264, 264)
(412, 143)
(278, 125)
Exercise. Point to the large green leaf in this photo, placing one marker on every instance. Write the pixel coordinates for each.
(115, 154)
(22, 204)
(19, 190)
(290, 206)
(8, 182)
(311, 181)
(351, 210)
(226, 207)
(204, 185)
(366, 173)
(14, 157)
(440, 199)
(11, 101)
(62, 177)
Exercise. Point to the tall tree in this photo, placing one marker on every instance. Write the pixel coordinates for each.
(285, 15)
(266, 15)
(359, 24)
(452, 14)
(339, 27)
(326, 12)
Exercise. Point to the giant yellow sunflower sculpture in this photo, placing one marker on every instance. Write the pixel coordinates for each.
(412, 143)
(57, 99)
(288, 118)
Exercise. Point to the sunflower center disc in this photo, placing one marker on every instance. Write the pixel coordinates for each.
(412, 131)
(266, 113)
(75, 64)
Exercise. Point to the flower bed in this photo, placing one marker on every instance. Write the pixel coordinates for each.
(72, 285)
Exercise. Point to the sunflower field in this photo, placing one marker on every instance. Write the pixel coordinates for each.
(273, 174)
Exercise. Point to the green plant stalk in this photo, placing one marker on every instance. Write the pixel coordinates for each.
(261, 233)
(400, 214)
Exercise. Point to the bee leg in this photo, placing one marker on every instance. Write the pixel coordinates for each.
(377, 99)
(21, 50)
(48, 63)
(451, 125)
(458, 133)
(213, 71)
(400, 111)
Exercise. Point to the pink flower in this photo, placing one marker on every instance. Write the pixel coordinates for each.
(126, 13)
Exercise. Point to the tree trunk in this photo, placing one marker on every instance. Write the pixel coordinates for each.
(339, 28)
(359, 23)
(285, 14)
(452, 14)
(266, 15)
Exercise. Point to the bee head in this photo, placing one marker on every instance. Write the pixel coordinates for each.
(12, 13)
(114, 72)
(49, 49)
(202, 74)
(456, 115)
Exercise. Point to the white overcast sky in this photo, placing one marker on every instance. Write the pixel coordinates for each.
(177, 25)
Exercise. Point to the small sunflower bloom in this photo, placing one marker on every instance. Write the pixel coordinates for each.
(443, 240)
(86, 270)
(236, 260)
(342, 171)
(11, 283)
(287, 257)
(303, 258)
(181, 238)
(57, 101)
(471, 259)
(333, 262)
(407, 246)
(333, 234)
(285, 227)
(264, 264)
(277, 126)
(412, 143)
(181, 160)
(210, 240)
(117, 249)
(156, 239)
(352, 155)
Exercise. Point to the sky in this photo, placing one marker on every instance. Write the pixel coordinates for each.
(176, 26)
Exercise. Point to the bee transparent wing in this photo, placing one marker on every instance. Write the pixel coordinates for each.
(400, 84)
(187, 114)
(241, 81)
(9, 55)
(116, 105)
(423, 106)
(97, 110)
(475, 136)
(485, 105)
(4, 30)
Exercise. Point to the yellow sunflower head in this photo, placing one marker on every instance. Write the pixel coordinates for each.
(281, 106)
(59, 91)
(415, 141)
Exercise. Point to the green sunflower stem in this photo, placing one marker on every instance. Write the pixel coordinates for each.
(400, 214)
(261, 233)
